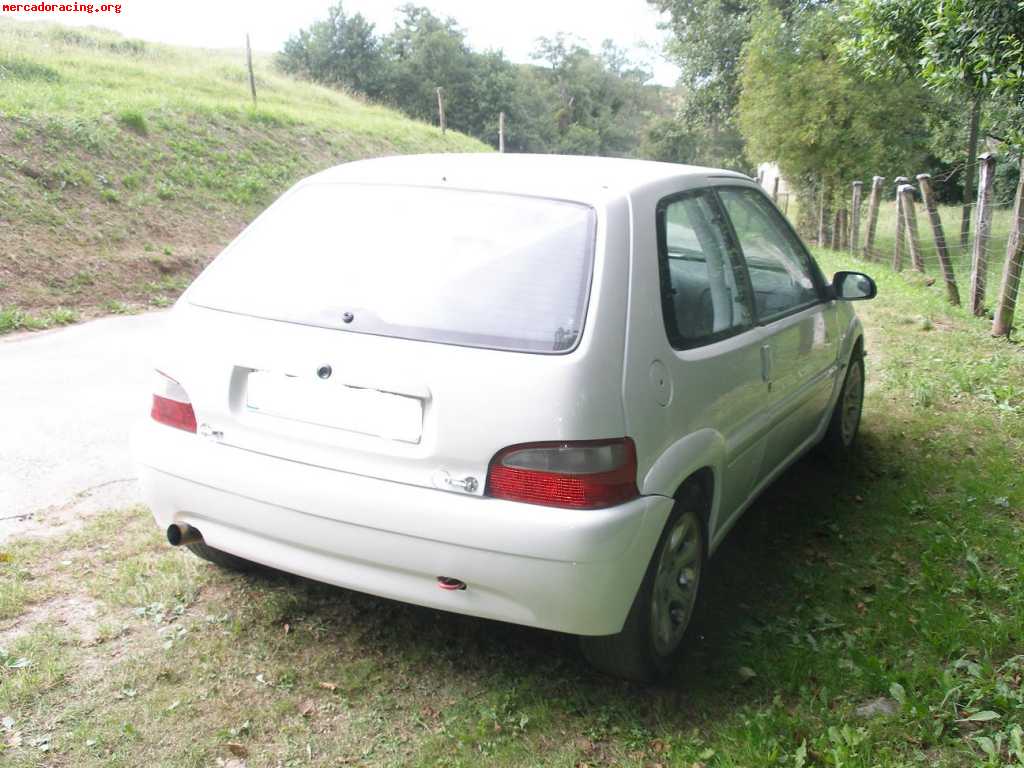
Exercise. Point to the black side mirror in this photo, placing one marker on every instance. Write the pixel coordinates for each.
(853, 286)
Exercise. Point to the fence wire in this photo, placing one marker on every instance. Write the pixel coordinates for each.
(917, 248)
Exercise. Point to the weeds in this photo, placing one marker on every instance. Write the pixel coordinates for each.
(135, 121)
(15, 319)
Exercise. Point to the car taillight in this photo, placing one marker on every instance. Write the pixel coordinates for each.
(171, 405)
(585, 474)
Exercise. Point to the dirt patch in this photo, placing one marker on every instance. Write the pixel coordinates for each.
(73, 514)
(76, 613)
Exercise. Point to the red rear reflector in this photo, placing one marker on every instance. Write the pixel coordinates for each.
(173, 414)
(586, 474)
(171, 404)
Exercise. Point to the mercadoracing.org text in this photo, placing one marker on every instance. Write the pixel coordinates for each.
(61, 8)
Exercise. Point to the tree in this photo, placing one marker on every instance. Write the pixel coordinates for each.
(708, 40)
(806, 107)
(427, 52)
(341, 51)
(601, 100)
(972, 48)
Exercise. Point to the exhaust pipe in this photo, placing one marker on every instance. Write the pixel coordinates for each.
(179, 534)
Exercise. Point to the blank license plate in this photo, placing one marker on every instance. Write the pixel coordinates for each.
(332, 404)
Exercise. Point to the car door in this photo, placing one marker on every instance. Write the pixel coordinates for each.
(799, 322)
(714, 345)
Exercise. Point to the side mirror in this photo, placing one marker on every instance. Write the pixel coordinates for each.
(853, 286)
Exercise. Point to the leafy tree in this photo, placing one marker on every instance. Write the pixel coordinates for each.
(669, 139)
(427, 52)
(601, 100)
(805, 106)
(963, 48)
(341, 50)
(707, 43)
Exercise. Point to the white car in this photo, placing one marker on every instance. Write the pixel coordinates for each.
(536, 389)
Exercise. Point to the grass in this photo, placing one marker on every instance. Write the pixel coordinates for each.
(896, 578)
(109, 144)
(16, 319)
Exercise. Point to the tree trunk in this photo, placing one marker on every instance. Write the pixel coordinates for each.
(972, 154)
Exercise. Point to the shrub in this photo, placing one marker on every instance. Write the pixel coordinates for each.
(134, 121)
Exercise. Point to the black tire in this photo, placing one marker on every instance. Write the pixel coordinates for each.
(636, 653)
(844, 426)
(217, 557)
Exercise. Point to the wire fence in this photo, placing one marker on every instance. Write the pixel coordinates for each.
(897, 223)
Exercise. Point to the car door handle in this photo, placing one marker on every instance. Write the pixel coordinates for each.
(767, 362)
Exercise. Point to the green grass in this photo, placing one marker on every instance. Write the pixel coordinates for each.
(899, 576)
(15, 319)
(108, 145)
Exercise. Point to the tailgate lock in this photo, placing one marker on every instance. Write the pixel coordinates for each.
(468, 484)
(205, 430)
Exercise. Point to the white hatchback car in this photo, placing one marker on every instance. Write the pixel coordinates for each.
(536, 389)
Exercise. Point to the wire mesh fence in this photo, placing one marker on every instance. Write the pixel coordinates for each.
(974, 252)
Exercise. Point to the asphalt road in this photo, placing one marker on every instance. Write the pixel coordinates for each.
(68, 399)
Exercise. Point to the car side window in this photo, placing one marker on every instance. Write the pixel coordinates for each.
(704, 290)
(780, 271)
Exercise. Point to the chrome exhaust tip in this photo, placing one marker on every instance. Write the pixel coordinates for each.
(179, 534)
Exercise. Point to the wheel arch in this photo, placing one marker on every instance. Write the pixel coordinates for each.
(696, 458)
(704, 480)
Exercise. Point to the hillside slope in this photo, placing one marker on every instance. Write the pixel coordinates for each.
(125, 166)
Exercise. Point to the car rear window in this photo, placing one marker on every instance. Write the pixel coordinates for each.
(471, 268)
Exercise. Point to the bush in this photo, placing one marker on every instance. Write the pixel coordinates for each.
(134, 121)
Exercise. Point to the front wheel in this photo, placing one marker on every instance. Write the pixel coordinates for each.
(845, 423)
(660, 618)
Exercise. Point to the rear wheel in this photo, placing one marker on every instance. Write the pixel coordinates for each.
(662, 613)
(217, 557)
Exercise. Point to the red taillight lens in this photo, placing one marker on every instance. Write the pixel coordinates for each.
(171, 405)
(586, 474)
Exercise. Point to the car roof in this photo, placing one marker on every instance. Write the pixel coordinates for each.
(566, 177)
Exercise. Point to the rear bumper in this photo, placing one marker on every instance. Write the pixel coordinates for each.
(573, 571)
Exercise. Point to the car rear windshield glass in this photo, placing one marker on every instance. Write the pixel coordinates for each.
(471, 268)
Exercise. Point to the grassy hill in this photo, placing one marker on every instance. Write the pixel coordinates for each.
(126, 165)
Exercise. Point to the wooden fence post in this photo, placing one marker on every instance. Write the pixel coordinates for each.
(823, 216)
(760, 177)
(873, 204)
(775, 190)
(982, 229)
(897, 252)
(928, 197)
(858, 188)
(248, 61)
(501, 131)
(844, 229)
(440, 109)
(836, 224)
(910, 222)
(1003, 322)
